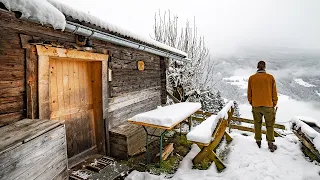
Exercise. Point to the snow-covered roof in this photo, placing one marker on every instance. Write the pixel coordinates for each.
(54, 13)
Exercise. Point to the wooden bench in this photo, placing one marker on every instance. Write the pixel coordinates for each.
(209, 134)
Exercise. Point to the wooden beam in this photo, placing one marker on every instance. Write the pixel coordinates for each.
(204, 113)
(31, 76)
(279, 126)
(197, 118)
(43, 87)
(167, 151)
(175, 100)
(105, 106)
(67, 53)
(243, 128)
(309, 145)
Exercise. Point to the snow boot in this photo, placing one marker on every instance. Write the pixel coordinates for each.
(258, 143)
(272, 147)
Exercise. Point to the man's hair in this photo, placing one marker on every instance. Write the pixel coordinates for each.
(261, 65)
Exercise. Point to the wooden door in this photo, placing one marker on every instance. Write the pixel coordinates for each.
(72, 99)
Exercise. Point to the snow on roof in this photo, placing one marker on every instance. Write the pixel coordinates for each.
(312, 134)
(167, 116)
(40, 10)
(53, 13)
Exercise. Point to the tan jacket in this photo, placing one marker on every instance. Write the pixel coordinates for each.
(262, 90)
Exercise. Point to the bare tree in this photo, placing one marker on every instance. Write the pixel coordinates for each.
(184, 79)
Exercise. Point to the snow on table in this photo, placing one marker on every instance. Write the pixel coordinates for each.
(167, 116)
(203, 132)
(312, 134)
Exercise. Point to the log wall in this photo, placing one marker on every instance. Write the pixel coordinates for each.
(12, 77)
(130, 92)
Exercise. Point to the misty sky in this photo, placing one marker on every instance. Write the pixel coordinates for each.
(226, 24)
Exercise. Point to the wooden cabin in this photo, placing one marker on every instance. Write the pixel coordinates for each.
(91, 77)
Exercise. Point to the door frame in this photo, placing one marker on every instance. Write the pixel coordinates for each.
(44, 53)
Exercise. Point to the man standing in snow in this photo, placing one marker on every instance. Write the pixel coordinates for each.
(263, 97)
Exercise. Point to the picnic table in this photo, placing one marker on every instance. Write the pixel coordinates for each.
(165, 119)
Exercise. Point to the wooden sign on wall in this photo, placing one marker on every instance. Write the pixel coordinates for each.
(140, 65)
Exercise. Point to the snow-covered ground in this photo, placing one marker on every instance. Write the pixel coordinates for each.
(246, 161)
(303, 83)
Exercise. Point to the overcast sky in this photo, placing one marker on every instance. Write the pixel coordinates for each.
(226, 24)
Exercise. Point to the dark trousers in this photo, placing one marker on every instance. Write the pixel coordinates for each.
(269, 115)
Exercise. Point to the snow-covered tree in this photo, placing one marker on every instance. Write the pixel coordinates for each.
(218, 102)
(207, 101)
(184, 79)
(236, 113)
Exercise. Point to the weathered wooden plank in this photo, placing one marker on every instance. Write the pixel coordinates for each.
(10, 136)
(243, 128)
(10, 92)
(31, 77)
(65, 112)
(9, 118)
(53, 167)
(279, 126)
(307, 143)
(119, 116)
(23, 157)
(72, 54)
(137, 99)
(63, 175)
(119, 147)
(97, 103)
(12, 66)
(131, 95)
(11, 75)
(11, 84)
(117, 138)
(54, 103)
(25, 164)
(11, 107)
(81, 82)
(35, 163)
(204, 113)
(16, 59)
(65, 76)
(105, 96)
(43, 87)
(9, 157)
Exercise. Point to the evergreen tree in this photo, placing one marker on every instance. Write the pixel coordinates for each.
(220, 101)
(207, 101)
(236, 113)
